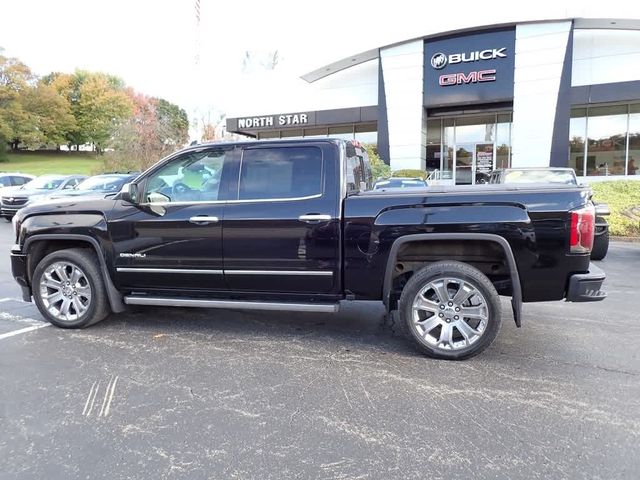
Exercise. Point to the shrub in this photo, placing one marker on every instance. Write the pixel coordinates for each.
(621, 196)
(410, 173)
(379, 169)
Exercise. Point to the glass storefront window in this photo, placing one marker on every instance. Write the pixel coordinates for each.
(577, 135)
(448, 146)
(434, 145)
(633, 163)
(466, 149)
(503, 141)
(367, 137)
(316, 132)
(607, 140)
(608, 137)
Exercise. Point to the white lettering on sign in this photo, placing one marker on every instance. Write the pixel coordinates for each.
(294, 119)
(440, 60)
(464, 78)
(269, 121)
(254, 122)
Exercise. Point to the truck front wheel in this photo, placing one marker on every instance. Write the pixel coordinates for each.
(451, 310)
(68, 288)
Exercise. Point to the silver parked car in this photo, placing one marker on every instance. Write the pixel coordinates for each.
(35, 190)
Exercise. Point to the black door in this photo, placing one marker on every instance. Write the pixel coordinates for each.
(172, 239)
(282, 232)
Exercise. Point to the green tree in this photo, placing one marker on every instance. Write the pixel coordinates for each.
(50, 117)
(173, 121)
(98, 101)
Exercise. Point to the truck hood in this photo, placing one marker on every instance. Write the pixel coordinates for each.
(71, 205)
(79, 193)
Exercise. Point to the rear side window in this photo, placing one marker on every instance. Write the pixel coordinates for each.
(280, 173)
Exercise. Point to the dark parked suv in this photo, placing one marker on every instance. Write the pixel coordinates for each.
(293, 226)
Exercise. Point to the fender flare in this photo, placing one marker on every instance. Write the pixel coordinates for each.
(516, 298)
(115, 297)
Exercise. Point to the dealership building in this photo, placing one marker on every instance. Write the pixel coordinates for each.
(459, 104)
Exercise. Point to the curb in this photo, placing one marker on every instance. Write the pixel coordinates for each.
(626, 239)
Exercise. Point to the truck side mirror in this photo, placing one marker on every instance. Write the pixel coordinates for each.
(129, 192)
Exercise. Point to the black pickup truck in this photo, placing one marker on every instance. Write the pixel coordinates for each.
(295, 226)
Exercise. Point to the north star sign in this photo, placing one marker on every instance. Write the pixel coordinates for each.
(284, 120)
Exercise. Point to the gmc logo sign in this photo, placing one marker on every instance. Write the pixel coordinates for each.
(480, 76)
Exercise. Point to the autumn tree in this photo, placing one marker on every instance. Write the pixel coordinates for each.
(156, 128)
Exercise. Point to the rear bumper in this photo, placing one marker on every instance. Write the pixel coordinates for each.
(586, 287)
(19, 271)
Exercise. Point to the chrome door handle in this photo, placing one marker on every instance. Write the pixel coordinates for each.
(204, 219)
(314, 218)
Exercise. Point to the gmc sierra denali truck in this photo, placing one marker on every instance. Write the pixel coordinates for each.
(295, 226)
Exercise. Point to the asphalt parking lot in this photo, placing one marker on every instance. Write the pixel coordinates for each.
(184, 393)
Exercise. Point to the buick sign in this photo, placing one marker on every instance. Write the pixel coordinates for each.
(439, 61)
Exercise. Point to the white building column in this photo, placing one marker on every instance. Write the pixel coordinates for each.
(403, 70)
(540, 54)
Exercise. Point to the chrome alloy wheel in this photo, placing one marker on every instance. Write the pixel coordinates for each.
(450, 314)
(65, 291)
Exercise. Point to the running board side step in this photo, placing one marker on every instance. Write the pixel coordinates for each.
(232, 304)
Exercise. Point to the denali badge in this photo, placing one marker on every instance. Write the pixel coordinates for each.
(440, 60)
(133, 255)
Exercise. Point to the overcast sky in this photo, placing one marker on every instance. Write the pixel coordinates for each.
(152, 45)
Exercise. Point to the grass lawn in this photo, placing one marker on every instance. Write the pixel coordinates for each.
(620, 196)
(37, 163)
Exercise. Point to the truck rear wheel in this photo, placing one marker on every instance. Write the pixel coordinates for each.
(600, 245)
(451, 310)
(68, 289)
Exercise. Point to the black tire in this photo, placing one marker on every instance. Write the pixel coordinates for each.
(8, 218)
(85, 260)
(600, 246)
(488, 299)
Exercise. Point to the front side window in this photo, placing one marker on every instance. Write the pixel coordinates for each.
(18, 180)
(193, 177)
(71, 184)
(45, 183)
(280, 173)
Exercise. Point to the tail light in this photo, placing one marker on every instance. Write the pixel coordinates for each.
(582, 229)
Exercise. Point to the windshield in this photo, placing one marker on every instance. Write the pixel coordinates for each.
(566, 177)
(102, 183)
(400, 183)
(44, 183)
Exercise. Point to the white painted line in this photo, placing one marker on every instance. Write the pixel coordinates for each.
(23, 330)
(106, 396)
(9, 299)
(95, 394)
(86, 405)
(113, 389)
